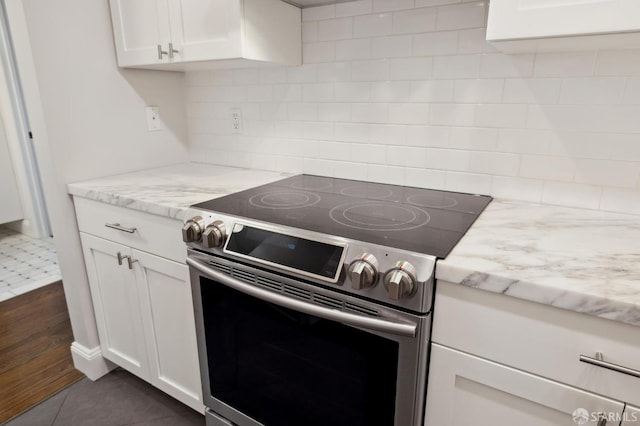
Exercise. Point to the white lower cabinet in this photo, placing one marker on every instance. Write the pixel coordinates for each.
(467, 390)
(145, 319)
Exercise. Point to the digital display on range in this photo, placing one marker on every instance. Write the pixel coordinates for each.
(312, 257)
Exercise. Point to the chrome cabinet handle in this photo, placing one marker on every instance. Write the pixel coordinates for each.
(121, 258)
(386, 326)
(161, 52)
(602, 421)
(172, 51)
(599, 361)
(131, 261)
(120, 228)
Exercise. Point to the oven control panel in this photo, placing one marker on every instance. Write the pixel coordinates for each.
(389, 275)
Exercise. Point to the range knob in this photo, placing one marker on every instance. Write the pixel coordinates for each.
(214, 234)
(400, 281)
(363, 272)
(192, 229)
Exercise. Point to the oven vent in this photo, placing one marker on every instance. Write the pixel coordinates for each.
(272, 284)
(327, 301)
(361, 309)
(298, 292)
(221, 266)
(246, 276)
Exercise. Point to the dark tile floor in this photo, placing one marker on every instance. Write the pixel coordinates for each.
(117, 399)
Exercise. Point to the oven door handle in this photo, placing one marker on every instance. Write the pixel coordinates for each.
(369, 323)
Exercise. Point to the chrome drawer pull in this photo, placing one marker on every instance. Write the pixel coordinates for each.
(599, 361)
(120, 228)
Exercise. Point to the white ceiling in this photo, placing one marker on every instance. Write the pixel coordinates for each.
(310, 3)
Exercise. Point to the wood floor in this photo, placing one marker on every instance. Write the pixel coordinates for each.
(35, 340)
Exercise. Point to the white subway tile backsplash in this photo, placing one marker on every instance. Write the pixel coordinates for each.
(353, 8)
(352, 132)
(547, 167)
(452, 114)
(334, 71)
(348, 50)
(517, 188)
(498, 65)
(406, 113)
(318, 52)
(378, 24)
(564, 64)
(411, 69)
(571, 195)
(391, 46)
(390, 5)
(468, 182)
(318, 13)
(621, 174)
(502, 116)
(305, 73)
(301, 111)
(437, 43)
(592, 90)
(478, 91)
(620, 200)
(532, 91)
(318, 92)
(461, 16)
(373, 70)
(337, 112)
(409, 92)
(460, 66)
(309, 32)
(424, 178)
(414, 21)
(352, 92)
(390, 91)
(432, 91)
(618, 62)
(335, 29)
(370, 113)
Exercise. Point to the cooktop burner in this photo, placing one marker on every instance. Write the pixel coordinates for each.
(420, 220)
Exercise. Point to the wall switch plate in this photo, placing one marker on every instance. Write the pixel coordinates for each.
(153, 119)
(236, 120)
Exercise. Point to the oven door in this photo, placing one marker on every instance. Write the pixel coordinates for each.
(268, 358)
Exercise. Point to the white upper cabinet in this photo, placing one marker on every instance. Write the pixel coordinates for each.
(191, 34)
(547, 25)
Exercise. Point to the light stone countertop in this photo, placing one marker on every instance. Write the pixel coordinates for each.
(168, 191)
(581, 260)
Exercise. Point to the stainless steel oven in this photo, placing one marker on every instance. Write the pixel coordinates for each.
(302, 324)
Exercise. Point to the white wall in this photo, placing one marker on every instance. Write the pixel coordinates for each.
(88, 119)
(408, 92)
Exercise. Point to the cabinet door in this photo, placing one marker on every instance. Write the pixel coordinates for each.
(11, 207)
(116, 304)
(169, 325)
(631, 416)
(139, 26)
(466, 390)
(509, 19)
(205, 29)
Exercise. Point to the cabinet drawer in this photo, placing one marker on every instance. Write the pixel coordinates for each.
(155, 234)
(538, 338)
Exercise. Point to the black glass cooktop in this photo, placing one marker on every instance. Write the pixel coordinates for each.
(415, 219)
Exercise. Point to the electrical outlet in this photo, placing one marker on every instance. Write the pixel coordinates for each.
(153, 119)
(236, 120)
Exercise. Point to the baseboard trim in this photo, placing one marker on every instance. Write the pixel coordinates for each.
(90, 361)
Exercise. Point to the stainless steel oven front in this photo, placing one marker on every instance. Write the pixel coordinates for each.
(277, 349)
